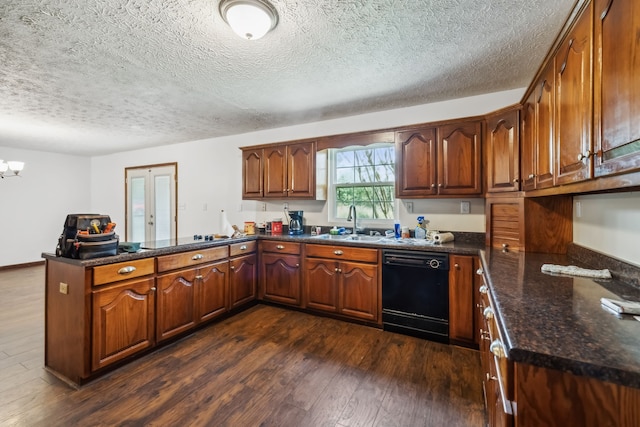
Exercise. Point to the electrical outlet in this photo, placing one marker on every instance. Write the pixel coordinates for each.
(409, 207)
(64, 288)
(263, 207)
(465, 207)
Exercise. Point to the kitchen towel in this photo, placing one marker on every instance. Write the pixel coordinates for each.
(443, 237)
(575, 271)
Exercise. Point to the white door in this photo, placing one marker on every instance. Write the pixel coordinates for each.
(151, 203)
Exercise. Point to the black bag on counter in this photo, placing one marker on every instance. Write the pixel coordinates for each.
(87, 236)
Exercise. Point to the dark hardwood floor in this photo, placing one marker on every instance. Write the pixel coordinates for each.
(264, 367)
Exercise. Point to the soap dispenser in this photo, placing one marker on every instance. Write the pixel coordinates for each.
(420, 232)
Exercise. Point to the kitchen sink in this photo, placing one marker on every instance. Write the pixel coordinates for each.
(350, 237)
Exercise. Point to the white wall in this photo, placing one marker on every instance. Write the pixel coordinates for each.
(209, 171)
(33, 207)
(609, 223)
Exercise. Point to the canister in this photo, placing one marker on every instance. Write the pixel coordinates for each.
(249, 227)
(276, 226)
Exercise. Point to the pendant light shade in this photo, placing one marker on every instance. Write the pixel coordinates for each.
(250, 19)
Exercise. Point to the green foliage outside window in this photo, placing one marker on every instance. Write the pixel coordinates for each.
(365, 178)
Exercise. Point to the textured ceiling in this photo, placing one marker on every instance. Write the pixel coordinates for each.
(100, 76)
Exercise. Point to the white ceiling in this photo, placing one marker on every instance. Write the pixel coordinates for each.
(99, 76)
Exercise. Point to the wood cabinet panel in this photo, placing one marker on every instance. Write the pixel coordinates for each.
(462, 328)
(358, 296)
(574, 103)
(279, 246)
(545, 140)
(252, 173)
(459, 159)
(275, 171)
(529, 141)
(280, 278)
(122, 271)
(186, 259)
(345, 253)
(503, 152)
(243, 279)
(212, 290)
(416, 162)
(175, 303)
(242, 248)
(122, 321)
(301, 170)
(616, 86)
(321, 284)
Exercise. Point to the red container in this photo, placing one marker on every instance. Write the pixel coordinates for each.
(276, 227)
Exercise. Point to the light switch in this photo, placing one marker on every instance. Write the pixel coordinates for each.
(64, 288)
(465, 207)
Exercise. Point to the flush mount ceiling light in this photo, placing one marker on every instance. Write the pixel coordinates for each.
(250, 19)
(13, 166)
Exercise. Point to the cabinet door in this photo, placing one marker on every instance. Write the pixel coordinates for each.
(242, 280)
(358, 290)
(573, 103)
(461, 309)
(280, 278)
(176, 303)
(528, 143)
(459, 157)
(252, 173)
(301, 170)
(503, 152)
(122, 321)
(321, 284)
(545, 105)
(416, 163)
(213, 285)
(275, 171)
(616, 86)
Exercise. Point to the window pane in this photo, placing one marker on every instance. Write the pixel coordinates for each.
(385, 173)
(344, 176)
(138, 209)
(364, 157)
(365, 210)
(342, 210)
(344, 195)
(384, 156)
(344, 159)
(384, 210)
(365, 174)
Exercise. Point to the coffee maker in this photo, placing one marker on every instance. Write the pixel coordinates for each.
(295, 225)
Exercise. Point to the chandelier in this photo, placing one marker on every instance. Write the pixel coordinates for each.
(11, 166)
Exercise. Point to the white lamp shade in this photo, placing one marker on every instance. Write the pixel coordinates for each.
(15, 166)
(3, 167)
(250, 20)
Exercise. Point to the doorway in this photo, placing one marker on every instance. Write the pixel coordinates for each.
(151, 200)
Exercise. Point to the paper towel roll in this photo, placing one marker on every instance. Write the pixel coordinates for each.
(226, 229)
(443, 237)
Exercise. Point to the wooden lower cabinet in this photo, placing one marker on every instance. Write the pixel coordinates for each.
(281, 279)
(349, 288)
(462, 328)
(212, 291)
(243, 278)
(123, 321)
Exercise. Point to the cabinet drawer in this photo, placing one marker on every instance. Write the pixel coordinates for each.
(281, 247)
(122, 271)
(342, 253)
(242, 248)
(186, 259)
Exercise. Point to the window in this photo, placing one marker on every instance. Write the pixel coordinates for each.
(364, 177)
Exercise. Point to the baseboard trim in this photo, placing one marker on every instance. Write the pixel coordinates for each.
(25, 265)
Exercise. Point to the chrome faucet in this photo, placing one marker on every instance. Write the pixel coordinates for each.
(353, 216)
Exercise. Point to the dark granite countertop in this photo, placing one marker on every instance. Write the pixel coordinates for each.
(557, 322)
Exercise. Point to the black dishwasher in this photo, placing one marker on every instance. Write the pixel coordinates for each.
(415, 293)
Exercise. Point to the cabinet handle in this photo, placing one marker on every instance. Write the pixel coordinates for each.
(339, 270)
(488, 313)
(338, 252)
(433, 186)
(497, 349)
(532, 175)
(196, 257)
(280, 247)
(127, 270)
(491, 378)
(336, 269)
(233, 267)
(584, 156)
(483, 289)
(516, 180)
(456, 266)
(439, 185)
(243, 247)
(484, 335)
(199, 277)
(153, 289)
(479, 271)
(297, 265)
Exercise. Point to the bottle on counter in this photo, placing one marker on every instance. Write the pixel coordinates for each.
(396, 228)
(421, 229)
(405, 232)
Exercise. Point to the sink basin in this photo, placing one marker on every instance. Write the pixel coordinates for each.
(350, 237)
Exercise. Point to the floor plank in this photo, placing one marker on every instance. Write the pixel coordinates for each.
(266, 366)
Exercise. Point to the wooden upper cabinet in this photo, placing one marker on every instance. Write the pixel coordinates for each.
(617, 86)
(252, 173)
(529, 140)
(275, 171)
(416, 162)
(301, 170)
(459, 158)
(279, 171)
(574, 102)
(503, 151)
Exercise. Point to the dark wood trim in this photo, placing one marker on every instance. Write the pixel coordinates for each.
(24, 265)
